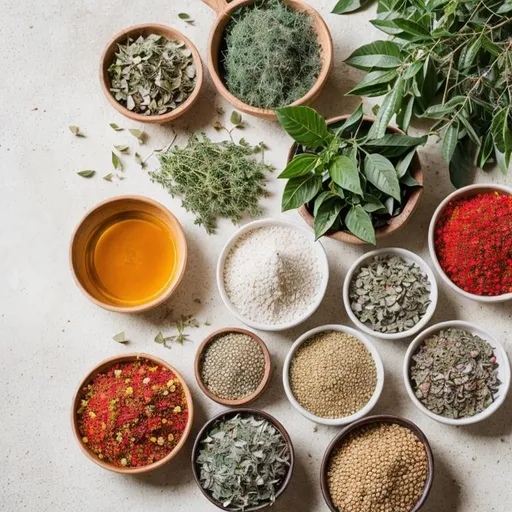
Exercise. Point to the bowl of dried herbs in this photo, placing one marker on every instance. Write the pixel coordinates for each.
(151, 73)
(242, 460)
(390, 293)
(456, 373)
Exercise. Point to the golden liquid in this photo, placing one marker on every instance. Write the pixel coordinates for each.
(131, 258)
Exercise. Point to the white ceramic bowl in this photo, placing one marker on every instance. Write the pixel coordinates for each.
(503, 371)
(407, 256)
(378, 364)
(468, 191)
(321, 255)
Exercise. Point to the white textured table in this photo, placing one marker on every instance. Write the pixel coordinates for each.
(51, 334)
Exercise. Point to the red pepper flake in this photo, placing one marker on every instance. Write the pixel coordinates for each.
(473, 242)
(134, 414)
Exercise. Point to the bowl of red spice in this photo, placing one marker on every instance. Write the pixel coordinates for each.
(132, 413)
(470, 242)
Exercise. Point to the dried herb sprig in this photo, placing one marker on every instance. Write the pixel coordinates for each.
(152, 75)
(243, 461)
(214, 179)
(181, 336)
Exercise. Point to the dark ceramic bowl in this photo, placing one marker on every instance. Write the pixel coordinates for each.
(227, 415)
(370, 420)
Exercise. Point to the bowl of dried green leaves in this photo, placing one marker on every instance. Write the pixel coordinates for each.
(390, 293)
(456, 373)
(151, 73)
(242, 460)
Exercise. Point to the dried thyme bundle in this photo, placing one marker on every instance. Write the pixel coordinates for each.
(152, 75)
(214, 179)
(243, 461)
(389, 294)
(272, 55)
(454, 374)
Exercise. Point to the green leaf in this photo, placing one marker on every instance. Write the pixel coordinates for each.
(507, 136)
(390, 106)
(491, 47)
(373, 204)
(118, 166)
(412, 70)
(75, 130)
(108, 177)
(320, 198)
(469, 128)
(442, 110)
(326, 215)
(451, 136)
(184, 16)
(486, 150)
(120, 338)
(138, 159)
(359, 222)
(344, 6)
(115, 127)
(506, 7)
(404, 116)
(380, 172)
(159, 338)
(376, 55)
(301, 190)
(343, 172)
(500, 160)
(300, 165)
(352, 121)
(471, 53)
(411, 27)
(386, 26)
(138, 134)
(408, 181)
(396, 140)
(122, 149)
(403, 165)
(304, 125)
(498, 124)
(375, 83)
(236, 118)
(460, 165)
(86, 174)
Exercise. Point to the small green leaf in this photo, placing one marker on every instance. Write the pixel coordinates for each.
(404, 116)
(403, 165)
(343, 171)
(381, 173)
(138, 160)
(75, 130)
(352, 121)
(183, 16)
(218, 126)
(236, 119)
(159, 338)
(344, 6)
(408, 181)
(451, 136)
(386, 26)
(118, 166)
(359, 222)
(138, 134)
(390, 106)
(376, 55)
(486, 150)
(320, 198)
(469, 128)
(500, 160)
(411, 27)
(442, 110)
(108, 177)
(471, 53)
(300, 165)
(115, 127)
(304, 125)
(86, 174)
(300, 190)
(389, 203)
(373, 204)
(375, 83)
(122, 149)
(326, 215)
(396, 140)
(413, 70)
(120, 338)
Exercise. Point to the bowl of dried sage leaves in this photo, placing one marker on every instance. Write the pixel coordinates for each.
(390, 293)
(151, 73)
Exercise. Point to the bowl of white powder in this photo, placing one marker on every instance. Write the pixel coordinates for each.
(272, 275)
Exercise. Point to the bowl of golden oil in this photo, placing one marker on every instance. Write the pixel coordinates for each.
(128, 254)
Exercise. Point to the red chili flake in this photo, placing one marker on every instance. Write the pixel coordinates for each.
(134, 414)
(473, 242)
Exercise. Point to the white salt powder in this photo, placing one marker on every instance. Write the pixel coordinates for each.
(272, 275)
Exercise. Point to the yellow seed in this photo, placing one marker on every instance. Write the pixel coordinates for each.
(129, 390)
(85, 440)
(170, 437)
(160, 441)
(152, 439)
(127, 380)
(164, 421)
(117, 373)
(92, 414)
(124, 462)
(177, 409)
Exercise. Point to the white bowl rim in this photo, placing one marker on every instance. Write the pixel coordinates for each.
(378, 365)
(322, 258)
(434, 292)
(499, 352)
(431, 247)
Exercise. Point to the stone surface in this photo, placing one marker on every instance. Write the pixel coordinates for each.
(51, 334)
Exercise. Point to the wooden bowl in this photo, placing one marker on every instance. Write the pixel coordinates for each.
(412, 198)
(88, 225)
(369, 420)
(227, 415)
(223, 401)
(224, 11)
(145, 30)
(104, 366)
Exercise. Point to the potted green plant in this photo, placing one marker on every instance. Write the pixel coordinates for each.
(347, 183)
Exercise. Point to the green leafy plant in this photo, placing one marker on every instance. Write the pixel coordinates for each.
(451, 61)
(348, 177)
(348, 6)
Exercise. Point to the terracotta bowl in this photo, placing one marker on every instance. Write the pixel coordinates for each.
(145, 30)
(88, 225)
(413, 197)
(104, 366)
(227, 415)
(370, 420)
(240, 401)
(224, 11)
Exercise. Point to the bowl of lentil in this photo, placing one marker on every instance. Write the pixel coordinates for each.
(262, 455)
(132, 413)
(390, 293)
(232, 366)
(377, 464)
(333, 375)
(470, 242)
(456, 373)
(272, 275)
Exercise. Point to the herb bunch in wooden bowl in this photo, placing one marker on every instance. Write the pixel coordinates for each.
(350, 182)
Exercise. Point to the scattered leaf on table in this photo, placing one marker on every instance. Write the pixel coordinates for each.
(122, 149)
(108, 177)
(138, 134)
(159, 338)
(185, 17)
(118, 166)
(236, 119)
(115, 127)
(139, 160)
(120, 337)
(75, 130)
(86, 174)
(218, 125)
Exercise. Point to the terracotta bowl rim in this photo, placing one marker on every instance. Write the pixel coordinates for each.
(172, 284)
(240, 401)
(381, 418)
(104, 365)
(247, 411)
(327, 60)
(466, 191)
(164, 30)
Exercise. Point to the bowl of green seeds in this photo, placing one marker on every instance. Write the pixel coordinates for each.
(390, 293)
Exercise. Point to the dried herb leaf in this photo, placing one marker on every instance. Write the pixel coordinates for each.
(116, 162)
(218, 126)
(139, 160)
(108, 177)
(86, 174)
(122, 149)
(159, 338)
(115, 127)
(75, 130)
(138, 134)
(120, 337)
(236, 119)
(185, 17)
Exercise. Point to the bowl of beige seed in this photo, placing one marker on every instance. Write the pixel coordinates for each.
(333, 375)
(377, 464)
